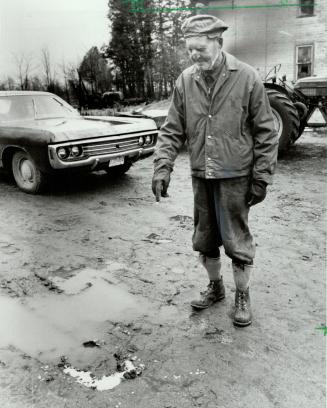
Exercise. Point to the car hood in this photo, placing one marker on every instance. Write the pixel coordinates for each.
(66, 129)
(158, 115)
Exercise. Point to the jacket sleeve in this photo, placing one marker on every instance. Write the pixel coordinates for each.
(264, 134)
(172, 134)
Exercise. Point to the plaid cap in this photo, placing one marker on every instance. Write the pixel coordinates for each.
(203, 25)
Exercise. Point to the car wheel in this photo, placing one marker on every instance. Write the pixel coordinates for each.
(117, 171)
(27, 175)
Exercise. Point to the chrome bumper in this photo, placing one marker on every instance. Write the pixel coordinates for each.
(93, 161)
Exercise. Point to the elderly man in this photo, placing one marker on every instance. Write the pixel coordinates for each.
(219, 105)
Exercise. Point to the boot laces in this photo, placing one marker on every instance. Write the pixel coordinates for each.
(209, 289)
(241, 300)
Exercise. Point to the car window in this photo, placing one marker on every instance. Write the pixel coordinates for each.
(51, 107)
(31, 107)
(4, 106)
(16, 108)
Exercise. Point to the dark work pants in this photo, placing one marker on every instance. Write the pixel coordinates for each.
(221, 218)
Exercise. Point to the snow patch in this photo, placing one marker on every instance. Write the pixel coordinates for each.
(109, 382)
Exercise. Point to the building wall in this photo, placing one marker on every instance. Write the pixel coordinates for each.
(314, 30)
(263, 35)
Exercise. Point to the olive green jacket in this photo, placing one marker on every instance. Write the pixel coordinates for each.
(230, 133)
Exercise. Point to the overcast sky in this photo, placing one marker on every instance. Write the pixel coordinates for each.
(69, 28)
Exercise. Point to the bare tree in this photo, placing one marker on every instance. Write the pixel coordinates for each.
(24, 69)
(36, 84)
(10, 83)
(7, 84)
(48, 70)
(70, 76)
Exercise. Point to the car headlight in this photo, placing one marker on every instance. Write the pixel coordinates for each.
(63, 152)
(141, 141)
(148, 139)
(76, 151)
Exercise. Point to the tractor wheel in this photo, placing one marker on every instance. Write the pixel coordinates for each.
(286, 118)
(304, 115)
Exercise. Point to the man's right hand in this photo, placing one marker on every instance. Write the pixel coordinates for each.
(160, 183)
(257, 193)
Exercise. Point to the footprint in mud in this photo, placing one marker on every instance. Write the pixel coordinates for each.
(156, 239)
(66, 222)
(184, 221)
(64, 271)
(114, 266)
(16, 287)
(47, 283)
(218, 335)
(27, 286)
(8, 248)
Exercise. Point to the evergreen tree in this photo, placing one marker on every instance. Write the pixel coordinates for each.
(146, 45)
(130, 48)
(95, 71)
(168, 36)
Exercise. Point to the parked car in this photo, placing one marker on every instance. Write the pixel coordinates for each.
(41, 134)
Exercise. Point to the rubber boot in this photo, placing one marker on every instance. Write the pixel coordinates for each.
(215, 290)
(243, 312)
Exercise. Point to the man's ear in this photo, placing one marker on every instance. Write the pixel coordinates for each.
(220, 41)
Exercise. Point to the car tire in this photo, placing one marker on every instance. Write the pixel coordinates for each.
(27, 175)
(118, 170)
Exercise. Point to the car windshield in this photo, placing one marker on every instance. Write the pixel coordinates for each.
(31, 107)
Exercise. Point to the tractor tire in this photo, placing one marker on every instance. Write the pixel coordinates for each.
(304, 115)
(286, 119)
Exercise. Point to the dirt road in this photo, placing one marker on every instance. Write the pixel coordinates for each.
(94, 274)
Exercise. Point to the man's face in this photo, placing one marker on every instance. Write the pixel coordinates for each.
(203, 51)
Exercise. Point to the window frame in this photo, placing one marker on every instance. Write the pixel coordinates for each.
(301, 14)
(297, 63)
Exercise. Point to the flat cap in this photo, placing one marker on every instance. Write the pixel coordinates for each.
(203, 25)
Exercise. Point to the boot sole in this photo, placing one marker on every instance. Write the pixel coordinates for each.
(206, 307)
(242, 324)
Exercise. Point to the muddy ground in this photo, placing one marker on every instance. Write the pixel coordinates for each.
(97, 261)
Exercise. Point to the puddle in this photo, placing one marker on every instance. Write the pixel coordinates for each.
(46, 327)
(83, 280)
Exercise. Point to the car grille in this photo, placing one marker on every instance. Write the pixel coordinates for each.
(111, 146)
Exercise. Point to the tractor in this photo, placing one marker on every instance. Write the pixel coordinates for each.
(292, 106)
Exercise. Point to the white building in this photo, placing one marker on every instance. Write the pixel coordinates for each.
(265, 33)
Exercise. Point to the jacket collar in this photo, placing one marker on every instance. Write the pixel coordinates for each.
(231, 62)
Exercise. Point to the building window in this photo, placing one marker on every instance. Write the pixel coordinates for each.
(304, 58)
(306, 8)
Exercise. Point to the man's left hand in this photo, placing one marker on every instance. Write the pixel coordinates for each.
(257, 193)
